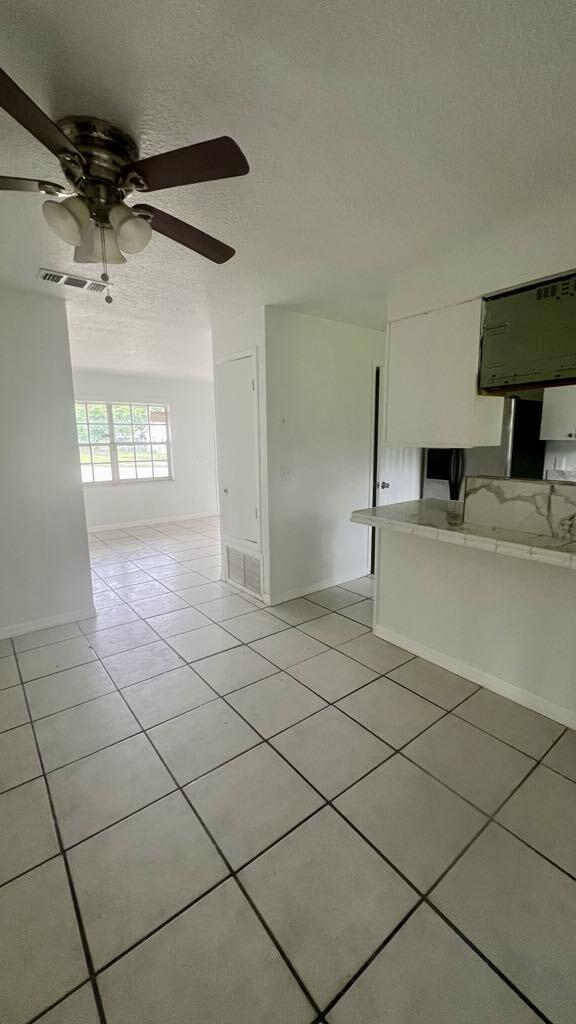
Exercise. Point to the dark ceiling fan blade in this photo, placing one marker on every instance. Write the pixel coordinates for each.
(48, 188)
(204, 161)
(16, 103)
(185, 234)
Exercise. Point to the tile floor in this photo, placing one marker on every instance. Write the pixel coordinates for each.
(219, 813)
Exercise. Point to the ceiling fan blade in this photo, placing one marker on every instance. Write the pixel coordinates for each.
(16, 103)
(186, 235)
(48, 188)
(204, 161)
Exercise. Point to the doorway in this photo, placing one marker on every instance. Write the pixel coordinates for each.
(396, 472)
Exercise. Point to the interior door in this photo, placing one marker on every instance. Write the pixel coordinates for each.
(397, 471)
(238, 446)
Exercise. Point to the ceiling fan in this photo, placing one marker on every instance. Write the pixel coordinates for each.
(102, 166)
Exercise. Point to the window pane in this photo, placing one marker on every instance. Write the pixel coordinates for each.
(161, 469)
(85, 454)
(87, 477)
(80, 412)
(127, 470)
(125, 453)
(99, 432)
(159, 453)
(141, 432)
(144, 470)
(143, 453)
(102, 473)
(82, 432)
(100, 453)
(123, 431)
(121, 414)
(97, 413)
(140, 414)
(158, 432)
(158, 414)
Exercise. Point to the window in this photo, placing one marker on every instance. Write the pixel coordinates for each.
(120, 442)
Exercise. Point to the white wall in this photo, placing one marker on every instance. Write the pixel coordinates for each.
(315, 383)
(45, 571)
(320, 379)
(191, 411)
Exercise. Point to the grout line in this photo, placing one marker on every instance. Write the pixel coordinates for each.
(233, 873)
(74, 898)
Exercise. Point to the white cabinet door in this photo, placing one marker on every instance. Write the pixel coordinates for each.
(431, 382)
(238, 448)
(559, 414)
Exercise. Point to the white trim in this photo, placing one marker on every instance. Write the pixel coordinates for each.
(528, 700)
(51, 620)
(150, 522)
(321, 585)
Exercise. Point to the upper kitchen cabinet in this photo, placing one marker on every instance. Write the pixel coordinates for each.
(431, 382)
(559, 414)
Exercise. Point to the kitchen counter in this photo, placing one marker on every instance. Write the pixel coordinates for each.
(443, 521)
(445, 593)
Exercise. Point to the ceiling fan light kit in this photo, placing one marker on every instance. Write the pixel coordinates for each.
(103, 168)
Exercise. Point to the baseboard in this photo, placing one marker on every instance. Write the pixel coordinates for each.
(151, 522)
(51, 620)
(476, 675)
(335, 581)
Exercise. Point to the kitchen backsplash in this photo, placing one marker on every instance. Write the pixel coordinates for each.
(545, 507)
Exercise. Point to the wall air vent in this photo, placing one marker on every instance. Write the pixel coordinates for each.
(244, 570)
(71, 281)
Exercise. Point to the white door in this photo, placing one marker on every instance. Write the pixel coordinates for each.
(399, 470)
(399, 475)
(238, 448)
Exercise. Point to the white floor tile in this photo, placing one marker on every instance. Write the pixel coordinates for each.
(288, 648)
(522, 728)
(66, 689)
(217, 958)
(202, 739)
(393, 713)
(40, 637)
(132, 877)
(27, 835)
(82, 730)
(331, 751)
(329, 899)
(121, 638)
(165, 696)
(224, 607)
(41, 955)
(55, 658)
(79, 1008)
(332, 674)
(19, 761)
(335, 598)
(13, 710)
(101, 789)
(202, 642)
(275, 703)
(333, 629)
(251, 802)
(427, 973)
(377, 654)
(142, 663)
(230, 670)
(173, 623)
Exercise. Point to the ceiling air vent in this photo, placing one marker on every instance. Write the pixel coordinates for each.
(71, 281)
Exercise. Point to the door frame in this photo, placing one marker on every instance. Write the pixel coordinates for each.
(242, 544)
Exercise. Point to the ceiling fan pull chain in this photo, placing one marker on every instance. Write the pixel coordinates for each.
(104, 275)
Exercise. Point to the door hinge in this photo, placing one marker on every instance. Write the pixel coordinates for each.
(253, 384)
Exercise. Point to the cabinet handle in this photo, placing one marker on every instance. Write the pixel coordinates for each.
(569, 435)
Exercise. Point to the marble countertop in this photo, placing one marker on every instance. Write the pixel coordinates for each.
(443, 521)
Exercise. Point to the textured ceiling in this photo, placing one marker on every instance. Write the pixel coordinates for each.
(379, 132)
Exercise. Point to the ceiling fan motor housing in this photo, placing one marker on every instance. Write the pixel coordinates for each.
(97, 175)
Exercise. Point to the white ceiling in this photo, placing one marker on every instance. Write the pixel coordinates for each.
(380, 134)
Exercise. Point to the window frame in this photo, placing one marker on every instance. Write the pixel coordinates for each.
(113, 444)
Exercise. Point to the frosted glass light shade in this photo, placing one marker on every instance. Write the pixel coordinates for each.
(133, 232)
(66, 219)
(90, 248)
